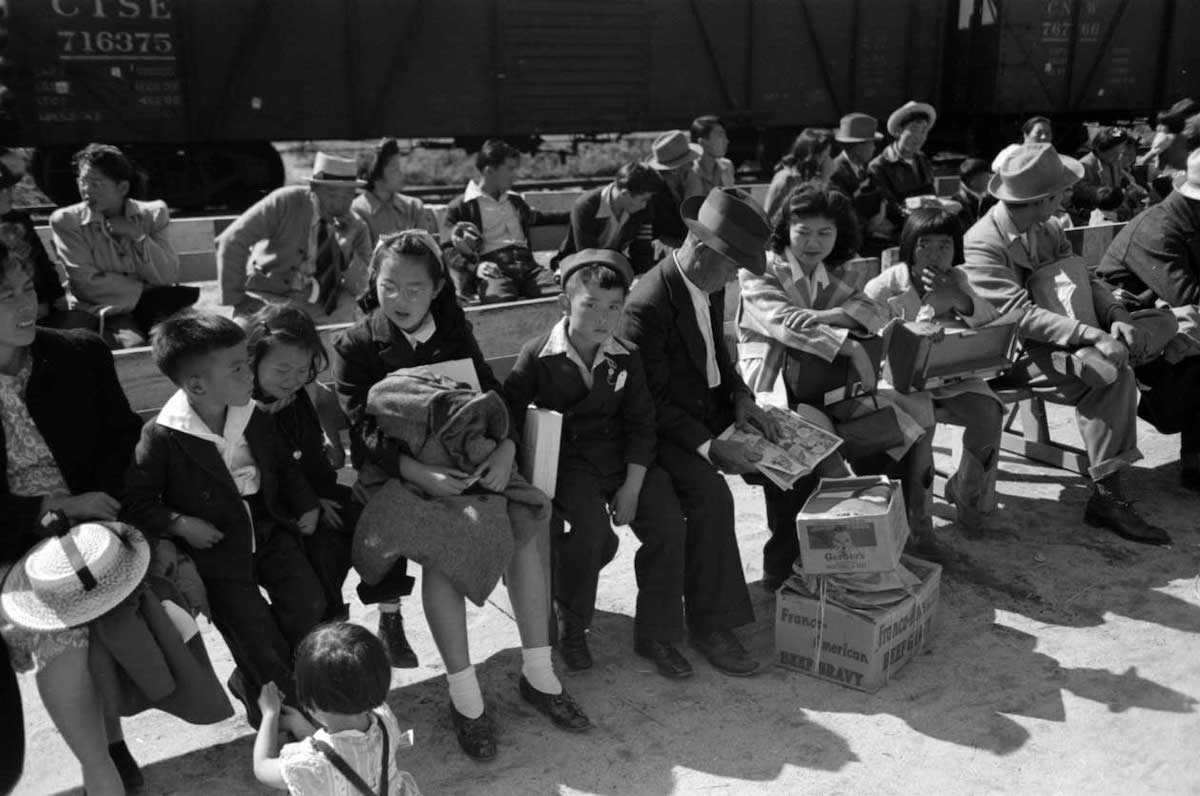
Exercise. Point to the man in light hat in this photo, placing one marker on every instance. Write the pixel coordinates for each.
(902, 170)
(672, 156)
(858, 136)
(299, 245)
(1004, 250)
(675, 316)
(1156, 258)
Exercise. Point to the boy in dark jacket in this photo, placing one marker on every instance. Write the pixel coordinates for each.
(211, 472)
(606, 465)
(488, 230)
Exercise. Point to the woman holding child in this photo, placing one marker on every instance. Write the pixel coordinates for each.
(412, 320)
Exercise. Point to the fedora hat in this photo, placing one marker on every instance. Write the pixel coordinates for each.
(731, 223)
(857, 128)
(1028, 172)
(71, 579)
(1191, 188)
(900, 116)
(585, 257)
(334, 170)
(671, 150)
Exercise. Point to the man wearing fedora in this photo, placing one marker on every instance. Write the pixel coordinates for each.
(858, 136)
(902, 170)
(300, 245)
(1004, 250)
(973, 177)
(675, 316)
(1156, 258)
(673, 157)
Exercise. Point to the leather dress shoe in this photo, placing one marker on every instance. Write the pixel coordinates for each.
(474, 735)
(1119, 516)
(559, 708)
(668, 660)
(722, 649)
(573, 647)
(237, 686)
(391, 633)
(127, 767)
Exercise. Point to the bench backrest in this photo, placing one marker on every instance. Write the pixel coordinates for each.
(1090, 243)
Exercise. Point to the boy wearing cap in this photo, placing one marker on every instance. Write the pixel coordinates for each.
(606, 470)
(299, 245)
(487, 228)
(1066, 360)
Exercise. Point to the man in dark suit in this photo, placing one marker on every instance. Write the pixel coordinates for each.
(675, 316)
(858, 138)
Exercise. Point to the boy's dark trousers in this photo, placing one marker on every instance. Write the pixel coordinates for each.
(328, 551)
(262, 637)
(581, 498)
(522, 276)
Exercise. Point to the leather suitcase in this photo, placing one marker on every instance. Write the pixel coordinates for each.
(922, 356)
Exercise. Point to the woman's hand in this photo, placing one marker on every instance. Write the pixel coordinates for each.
(85, 506)
(307, 523)
(433, 480)
(331, 512)
(495, 471)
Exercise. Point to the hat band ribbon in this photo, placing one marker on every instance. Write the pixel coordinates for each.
(320, 175)
(75, 558)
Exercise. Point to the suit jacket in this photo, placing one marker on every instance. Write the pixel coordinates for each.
(173, 471)
(898, 180)
(609, 424)
(660, 320)
(1157, 254)
(460, 209)
(973, 207)
(862, 192)
(77, 404)
(631, 235)
(265, 248)
(998, 265)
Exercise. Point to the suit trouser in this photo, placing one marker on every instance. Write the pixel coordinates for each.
(714, 586)
(262, 637)
(1171, 404)
(1106, 415)
(328, 552)
(581, 498)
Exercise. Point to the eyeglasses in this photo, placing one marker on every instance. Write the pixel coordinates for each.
(412, 293)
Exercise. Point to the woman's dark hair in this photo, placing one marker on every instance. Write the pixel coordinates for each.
(1032, 122)
(342, 668)
(112, 163)
(805, 154)
(637, 178)
(412, 243)
(283, 323)
(809, 200)
(703, 126)
(930, 221)
(495, 152)
(372, 169)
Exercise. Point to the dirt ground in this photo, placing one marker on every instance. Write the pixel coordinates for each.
(1063, 660)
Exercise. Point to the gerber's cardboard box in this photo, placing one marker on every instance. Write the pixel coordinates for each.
(861, 649)
(852, 525)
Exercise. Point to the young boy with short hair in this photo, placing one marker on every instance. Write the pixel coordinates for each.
(211, 473)
(488, 232)
(606, 467)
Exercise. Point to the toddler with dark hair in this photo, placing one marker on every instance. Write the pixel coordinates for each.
(342, 679)
(211, 473)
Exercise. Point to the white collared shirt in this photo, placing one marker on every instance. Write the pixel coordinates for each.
(700, 301)
(559, 342)
(810, 285)
(177, 413)
(499, 220)
(422, 333)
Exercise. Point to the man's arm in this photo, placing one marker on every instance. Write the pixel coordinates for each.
(233, 245)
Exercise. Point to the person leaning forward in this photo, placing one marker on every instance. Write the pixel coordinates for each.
(674, 316)
(1003, 251)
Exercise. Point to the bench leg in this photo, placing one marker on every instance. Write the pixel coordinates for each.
(1033, 440)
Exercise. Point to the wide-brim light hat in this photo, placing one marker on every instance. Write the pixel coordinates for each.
(1028, 172)
(1191, 187)
(69, 580)
(672, 150)
(857, 128)
(731, 223)
(896, 120)
(335, 170)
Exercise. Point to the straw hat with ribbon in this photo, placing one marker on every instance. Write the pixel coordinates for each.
(672, 150)
(334, 170)
(902, 115)
(71, 579)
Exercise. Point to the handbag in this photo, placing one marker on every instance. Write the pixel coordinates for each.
(867, 426)
(350, 774)
(812, 380)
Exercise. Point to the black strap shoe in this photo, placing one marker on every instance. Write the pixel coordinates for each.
(391, 633)
(668, 660)
(474, 735)
(559, 708)
(237, 686)
(722, 649)
(573, 647)
(127, 767)
(1108, 511)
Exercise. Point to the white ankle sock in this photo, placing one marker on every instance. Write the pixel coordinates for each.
(465, 694)
(392, 607)
(538, 670)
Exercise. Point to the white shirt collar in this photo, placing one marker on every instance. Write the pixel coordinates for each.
(559, 342)
(177, 413)
(819, 279)
(696, 293)
(423, 332)
(474, 190)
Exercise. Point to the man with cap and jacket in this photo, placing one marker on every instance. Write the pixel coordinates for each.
(672, 155)
(1065, 360)
(299, 245)
(858, 136)
(675, 316)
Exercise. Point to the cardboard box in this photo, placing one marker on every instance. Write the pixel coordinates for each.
(870, 539)
(859, 649)
(920, 357)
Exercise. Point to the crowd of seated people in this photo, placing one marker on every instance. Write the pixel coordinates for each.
(231, 488)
